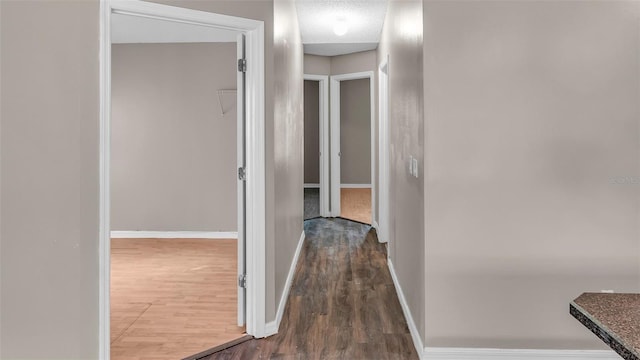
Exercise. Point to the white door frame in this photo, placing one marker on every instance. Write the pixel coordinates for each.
(335, 135)
(323, 87)
(255, 149)
(383, 152)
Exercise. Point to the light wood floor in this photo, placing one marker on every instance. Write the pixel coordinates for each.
(172, 298)
(355, 204)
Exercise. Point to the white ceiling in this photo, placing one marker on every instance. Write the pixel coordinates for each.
(317, 18)
(127, 29)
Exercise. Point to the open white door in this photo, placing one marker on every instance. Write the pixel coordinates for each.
(242, 184)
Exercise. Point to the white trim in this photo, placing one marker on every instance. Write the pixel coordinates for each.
(323, 93)
(312, 186)
(104, 236)
(383, 152)
(256, 181)
(335, 134)
(117, 234)
(355, 186)
(335, 147)
(375, 226)
(240, 193)
(255, 140)
(415, 334)
(372, 142)
(272, 327)
(514, 354)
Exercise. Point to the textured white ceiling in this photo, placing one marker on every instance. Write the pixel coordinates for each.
(127, 29)
(317, 18)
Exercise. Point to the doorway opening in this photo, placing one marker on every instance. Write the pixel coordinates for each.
(353, 185)
(135, 201)
(316, 146)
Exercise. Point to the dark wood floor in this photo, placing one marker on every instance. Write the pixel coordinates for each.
(342, 303)
(311, 203)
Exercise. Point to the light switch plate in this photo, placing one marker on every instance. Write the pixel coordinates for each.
(414, 166)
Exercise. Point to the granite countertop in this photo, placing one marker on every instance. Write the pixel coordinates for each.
(614, 318)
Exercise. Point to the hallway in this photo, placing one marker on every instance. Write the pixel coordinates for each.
(342, 303)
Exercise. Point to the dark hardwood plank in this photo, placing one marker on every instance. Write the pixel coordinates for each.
(219, 348)
(342, 303)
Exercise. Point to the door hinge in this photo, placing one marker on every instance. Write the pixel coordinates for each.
(242, 281)
(242, 65)
(242, 174)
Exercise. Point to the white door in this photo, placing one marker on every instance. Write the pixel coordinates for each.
(242, 185)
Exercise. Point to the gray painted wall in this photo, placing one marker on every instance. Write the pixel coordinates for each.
(49, 179)
(407, 198)
(355, 132)
(173, 152)
(49, 170)
(531, 110)
(317, 65)
(311, 132)
(288, 138)
(352, 63)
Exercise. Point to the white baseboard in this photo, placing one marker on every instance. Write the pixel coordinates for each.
(174, 234)
(377, 227)
(514, 354)
(312, 186)
(355, 186)
(436, 353)
(415, 335)
(272, 327)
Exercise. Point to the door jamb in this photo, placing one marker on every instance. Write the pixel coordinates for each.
(256, 191)
(335, 134)
(383, 149)
(323, 84)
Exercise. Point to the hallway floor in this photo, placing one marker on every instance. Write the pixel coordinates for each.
(311, 203)
(342, 303)
(355, 204)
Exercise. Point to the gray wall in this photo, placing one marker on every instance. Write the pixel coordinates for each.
(49, 180)
(311, 132)
(49, 170)
(531, 109)
(355, 132)
(288, 138)
(317, 65)
(173, 153)
(341, 64)
(407, 198)
(352, 63)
